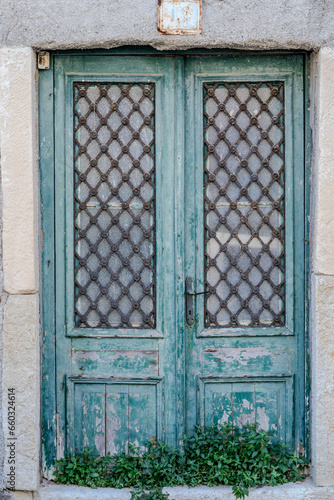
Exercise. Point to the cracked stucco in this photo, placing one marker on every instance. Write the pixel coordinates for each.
(288, 24)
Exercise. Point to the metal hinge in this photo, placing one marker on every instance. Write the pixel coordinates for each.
(43, 60)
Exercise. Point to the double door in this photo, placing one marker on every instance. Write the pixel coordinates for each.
(179, 249)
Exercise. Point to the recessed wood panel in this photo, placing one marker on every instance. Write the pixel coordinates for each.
(108, 416)
(130, 363)
(266, 402)
(228, 358)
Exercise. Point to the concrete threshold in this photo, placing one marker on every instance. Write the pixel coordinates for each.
(304, 491)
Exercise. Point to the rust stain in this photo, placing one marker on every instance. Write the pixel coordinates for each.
(167, 25)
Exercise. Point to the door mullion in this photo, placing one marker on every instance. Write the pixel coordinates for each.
(179, 245)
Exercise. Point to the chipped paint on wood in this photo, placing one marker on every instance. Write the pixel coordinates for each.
(92, 416)
(264, 401)
(263, 419)
(60, 444)
(115, 442)
(104, 362)
(251, 375)
(106, 415)
(180, 17)
(242, 356)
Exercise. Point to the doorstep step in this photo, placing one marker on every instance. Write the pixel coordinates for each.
(305, 491)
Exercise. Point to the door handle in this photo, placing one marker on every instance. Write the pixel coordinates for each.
(190, 294)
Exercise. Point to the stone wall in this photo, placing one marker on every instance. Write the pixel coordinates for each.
(24, 26)
(3, 299)
(261, 24)
(20, 249)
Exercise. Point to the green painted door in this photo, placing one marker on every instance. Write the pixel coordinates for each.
(245, 246)
(173, 247)
(115, 261)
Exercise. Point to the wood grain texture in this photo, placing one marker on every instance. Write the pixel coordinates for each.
(112, 387)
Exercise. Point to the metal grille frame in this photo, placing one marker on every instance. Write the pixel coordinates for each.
(278, 233)
(147, 320)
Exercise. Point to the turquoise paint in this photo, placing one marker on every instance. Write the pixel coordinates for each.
(46, 152)
(160, 71)
(167, 366)
(259, 344)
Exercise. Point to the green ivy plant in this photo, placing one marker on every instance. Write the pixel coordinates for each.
(226, 455)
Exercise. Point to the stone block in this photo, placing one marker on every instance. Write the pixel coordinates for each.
(323, 169)
(18, 146)
(322, 380)
(304, 491)
(21, 371)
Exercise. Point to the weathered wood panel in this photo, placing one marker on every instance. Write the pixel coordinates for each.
(223, 173)
(266, 402)
(107, 416)
(108, 380)
(117, 362)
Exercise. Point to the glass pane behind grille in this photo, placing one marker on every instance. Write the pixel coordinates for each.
(114, 205)
(244, 204)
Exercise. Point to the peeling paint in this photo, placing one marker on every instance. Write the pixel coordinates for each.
(224, 419)
(246, 404)
(180, 17)
(240, 355)
(99, 443)
(117, 361)
(113, 425)
(262, 419)
(246, 418)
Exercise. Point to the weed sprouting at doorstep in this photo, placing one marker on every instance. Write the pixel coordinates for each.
(242, 458)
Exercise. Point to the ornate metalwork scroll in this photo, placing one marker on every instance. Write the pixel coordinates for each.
(114, 167)
(244, 204)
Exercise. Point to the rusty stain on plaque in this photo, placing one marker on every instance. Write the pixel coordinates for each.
(180, 18)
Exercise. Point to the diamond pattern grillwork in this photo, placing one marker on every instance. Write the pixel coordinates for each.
(244, 204)
(114, 205)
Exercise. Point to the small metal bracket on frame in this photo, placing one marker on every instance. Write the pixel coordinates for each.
(43, 60)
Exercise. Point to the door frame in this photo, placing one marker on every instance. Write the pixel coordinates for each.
(50, 422)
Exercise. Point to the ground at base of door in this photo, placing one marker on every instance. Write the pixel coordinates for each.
(49, 491)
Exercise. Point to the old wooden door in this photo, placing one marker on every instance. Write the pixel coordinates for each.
(173, 257)
(245, 222)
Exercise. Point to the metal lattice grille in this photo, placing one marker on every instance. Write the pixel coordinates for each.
(244, 204)
(114, 205)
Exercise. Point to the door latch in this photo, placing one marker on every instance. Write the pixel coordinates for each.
(190, 294)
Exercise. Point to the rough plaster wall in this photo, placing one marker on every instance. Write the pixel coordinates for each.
(3, 298)
(226, 23)
(322, 270)
(20, 229)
